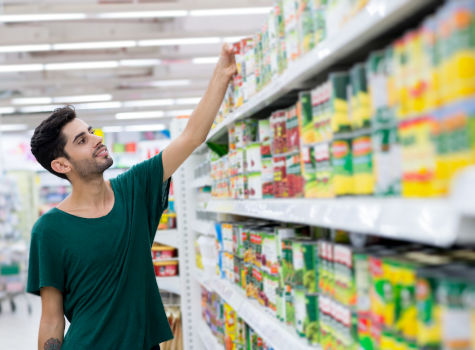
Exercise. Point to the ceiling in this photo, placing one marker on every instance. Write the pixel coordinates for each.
(114, 56)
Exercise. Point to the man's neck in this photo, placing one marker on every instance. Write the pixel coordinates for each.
(89, 197)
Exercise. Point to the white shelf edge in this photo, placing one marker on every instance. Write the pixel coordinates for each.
(201, 182)
(274, 332)
(170, 284)
(374, 19)
(207, 338)
(431, 221)
(168, 237)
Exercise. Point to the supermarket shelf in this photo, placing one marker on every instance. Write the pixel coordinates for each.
(439, 222)
(208, 339)
(168, 237)
(204, 227)
(274, 332)
(374, 19)
(170, 284)
(201, 182)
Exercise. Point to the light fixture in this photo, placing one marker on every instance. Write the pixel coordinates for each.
(188, 101)
(140, 115)
(32, 100)
(39, 109)
(152, 127)
(81, 65)
(148, 103)
(177, 82)
(42, 17)
(13, 127)
(82, 98)
(99, 105)
(231, 11)
(16, 68)
(112, 129)
(179, 113)
(179, 41)
(233, 39)
(140, 62)
(7, 110)
(94, 45)
(25, 48)
(142, 14)
(205, 60)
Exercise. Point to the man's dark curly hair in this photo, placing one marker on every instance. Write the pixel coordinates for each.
(48, 140)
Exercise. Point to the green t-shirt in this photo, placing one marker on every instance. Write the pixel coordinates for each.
(103, 266)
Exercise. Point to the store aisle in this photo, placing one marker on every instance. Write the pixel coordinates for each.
(19, 330)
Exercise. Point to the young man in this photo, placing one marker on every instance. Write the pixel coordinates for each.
(90, 256)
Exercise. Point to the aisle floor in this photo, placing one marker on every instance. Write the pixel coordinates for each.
(19, 330)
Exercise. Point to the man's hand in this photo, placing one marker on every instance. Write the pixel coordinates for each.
(227, 62)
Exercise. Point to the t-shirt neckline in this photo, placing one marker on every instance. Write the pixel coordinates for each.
(89, 219)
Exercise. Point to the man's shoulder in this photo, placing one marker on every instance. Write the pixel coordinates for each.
(46, 222)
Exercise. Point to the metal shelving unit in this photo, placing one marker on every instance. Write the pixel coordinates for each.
(168, 237)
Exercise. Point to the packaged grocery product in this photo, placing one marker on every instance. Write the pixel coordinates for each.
(292, 46)
(340, 120)
(255, 185)
(163, 252)
(166, 268)
(230, 323)
(295, 181)
(309, 171)
(319, 23)
(265, 137)
(289, 306)
(269, 255)
(292, 129)
(253, 158)
(360, 99)
(305, 118)
(306, 25)
(344, 272)
(280, 24)
(267, 178)
(279, 132)
(287, 265)
(363, 175)
(280, 185)
(342, 166)
(324, 174)
(270, 285)
(418, 157)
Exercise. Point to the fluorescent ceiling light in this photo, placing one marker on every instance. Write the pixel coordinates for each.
(149, 103)
(42, 17)
(81, 65)
(152, 127)
(39, 109)
(205, 60)
(13, 127)
(188, 101)
(82, 98)
(231, 12)
(142, 14)
(25, 48)
(94, 45)
(140, 62)
(7, 110)
(32, 101)
(140, 115)
(15, 68)
(179, 113)
(112, 129)
(179, 41)
(99, 105)
(178, 82)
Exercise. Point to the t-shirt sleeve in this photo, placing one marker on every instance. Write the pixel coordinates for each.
(149, 176)
(45, 267)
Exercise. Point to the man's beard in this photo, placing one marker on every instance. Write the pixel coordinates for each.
(88, 169)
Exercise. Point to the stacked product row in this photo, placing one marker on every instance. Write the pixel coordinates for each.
(227, 326)
(387, 295)
(292, 29)
(401, 123)
(165, 260)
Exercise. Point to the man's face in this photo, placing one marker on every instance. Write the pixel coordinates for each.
(87, 154)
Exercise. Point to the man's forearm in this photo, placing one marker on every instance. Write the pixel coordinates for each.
(51, 335)
(203, 116)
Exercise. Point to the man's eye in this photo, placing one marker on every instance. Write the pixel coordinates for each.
(81, 141)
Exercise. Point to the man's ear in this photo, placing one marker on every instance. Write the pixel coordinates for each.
(61, 165)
